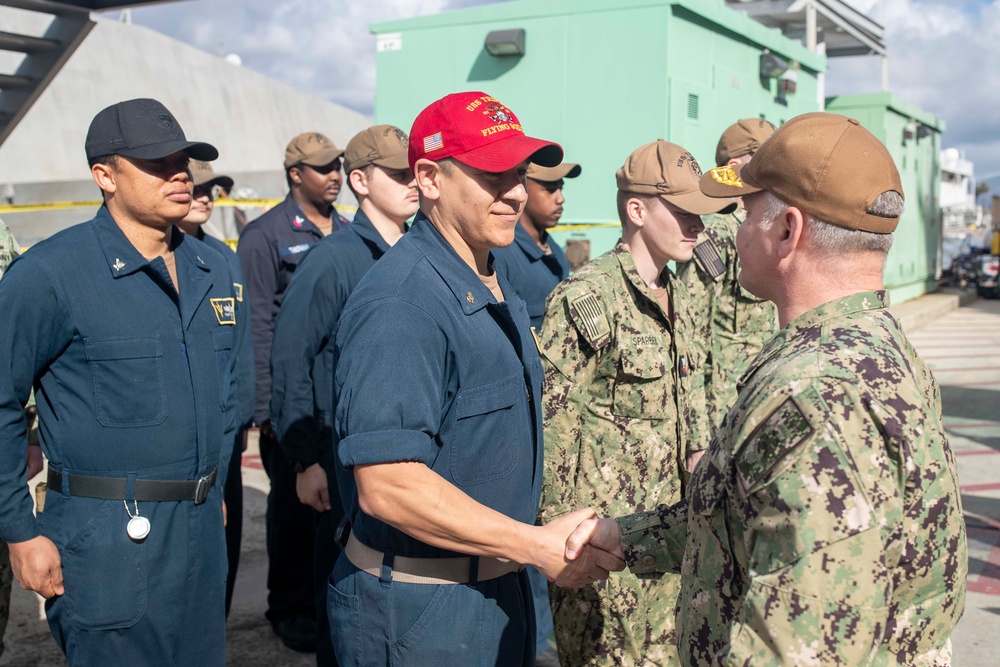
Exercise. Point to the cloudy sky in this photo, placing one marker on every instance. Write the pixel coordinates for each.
(943, 53)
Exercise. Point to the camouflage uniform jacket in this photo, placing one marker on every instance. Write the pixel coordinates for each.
(613, 365)
(824, 525)
(732, 324)
(8, 251)
(8, 248)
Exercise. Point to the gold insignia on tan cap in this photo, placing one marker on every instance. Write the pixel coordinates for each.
(726, 176)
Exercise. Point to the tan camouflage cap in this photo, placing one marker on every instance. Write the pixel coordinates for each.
(741, 138)
(311, 148)
(665, 169)
(825, 164)
(203, 174)
(384, 145)
(550, 174)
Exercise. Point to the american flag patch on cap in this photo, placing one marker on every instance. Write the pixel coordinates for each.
(433, 142)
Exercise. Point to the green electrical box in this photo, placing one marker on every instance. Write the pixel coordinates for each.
(913, 136)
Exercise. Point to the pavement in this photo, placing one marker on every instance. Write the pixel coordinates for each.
(956, 333)
(962, 348)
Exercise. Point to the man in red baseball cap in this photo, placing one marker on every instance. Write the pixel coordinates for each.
(440, 439)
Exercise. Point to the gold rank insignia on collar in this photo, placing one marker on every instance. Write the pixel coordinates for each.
(469, 297)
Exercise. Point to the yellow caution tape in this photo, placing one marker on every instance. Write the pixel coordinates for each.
(58, 205)
(576, 227)
(260, 203)
(47, 206)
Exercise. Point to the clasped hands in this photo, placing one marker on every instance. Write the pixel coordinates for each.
(581, 548)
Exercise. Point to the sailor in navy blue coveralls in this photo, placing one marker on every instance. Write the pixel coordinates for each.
(270, 250)
(134, 381)
(534, 268)
(443, 434)
(531, 271)
(132, 364)
(302, 361)
(205, 180)
(479, 428)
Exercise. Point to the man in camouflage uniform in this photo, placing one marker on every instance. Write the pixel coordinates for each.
(824, 524)
(732, 324)
(614, 350)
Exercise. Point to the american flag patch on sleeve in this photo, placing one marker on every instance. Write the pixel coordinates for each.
(433, 142)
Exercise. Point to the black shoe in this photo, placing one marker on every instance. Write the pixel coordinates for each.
(297, 633)
(547, 658)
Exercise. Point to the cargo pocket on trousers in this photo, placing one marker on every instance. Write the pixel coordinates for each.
(104, 573)
(419, 611)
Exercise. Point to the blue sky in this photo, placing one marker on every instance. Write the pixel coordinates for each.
(943, 54)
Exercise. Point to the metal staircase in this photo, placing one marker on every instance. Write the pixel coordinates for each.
(43, 56)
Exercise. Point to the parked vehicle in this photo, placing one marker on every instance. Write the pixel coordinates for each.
(987, 279)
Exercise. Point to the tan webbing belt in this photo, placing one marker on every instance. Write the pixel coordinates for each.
(410, 570)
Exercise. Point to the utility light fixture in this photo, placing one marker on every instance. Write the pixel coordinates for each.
(772, 66)
(505, 42)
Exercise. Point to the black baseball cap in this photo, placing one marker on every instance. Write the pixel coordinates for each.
(142, 129)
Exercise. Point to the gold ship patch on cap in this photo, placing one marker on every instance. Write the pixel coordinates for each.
(726, 176)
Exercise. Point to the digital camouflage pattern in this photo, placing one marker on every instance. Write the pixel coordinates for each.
(824, 524)
(8, 247)
(732, 325)
(614, 368)
(8, 251)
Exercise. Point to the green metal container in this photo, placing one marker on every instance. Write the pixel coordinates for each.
(913, 136)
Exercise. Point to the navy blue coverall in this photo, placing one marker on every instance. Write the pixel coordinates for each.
(462, 396)
(135, 381)
(531, 272)
(302, 362)
(270, 250)
(233, 491)
(534, 275)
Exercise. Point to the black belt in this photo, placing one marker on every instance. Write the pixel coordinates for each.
(149, 490)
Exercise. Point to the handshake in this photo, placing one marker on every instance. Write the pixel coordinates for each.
(579, 548)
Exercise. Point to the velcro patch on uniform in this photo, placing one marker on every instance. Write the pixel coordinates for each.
(225, 310)
(590, 319)
(784, 430)
(709, 258)
(239, 292)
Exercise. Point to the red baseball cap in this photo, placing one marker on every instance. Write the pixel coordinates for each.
(478, 130)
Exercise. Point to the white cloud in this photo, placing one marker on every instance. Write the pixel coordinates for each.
(323, 46)
(941, 56)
